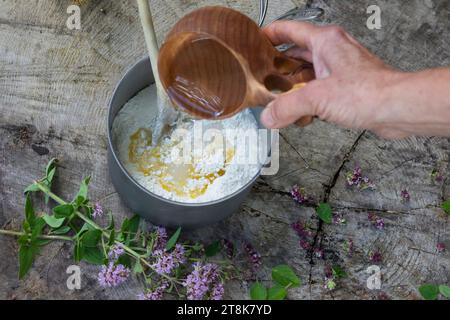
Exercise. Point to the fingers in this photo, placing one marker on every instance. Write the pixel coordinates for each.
(297, 52)
(289, 107)
(300, 33)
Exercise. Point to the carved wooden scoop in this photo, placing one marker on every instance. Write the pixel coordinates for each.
(217, 61)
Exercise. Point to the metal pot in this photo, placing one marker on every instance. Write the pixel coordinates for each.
(150, 206)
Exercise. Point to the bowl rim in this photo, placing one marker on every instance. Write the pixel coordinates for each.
(110, 121)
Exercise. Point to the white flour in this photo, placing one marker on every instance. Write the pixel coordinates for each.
(216, 169)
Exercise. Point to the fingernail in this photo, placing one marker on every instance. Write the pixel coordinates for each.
(266, 116)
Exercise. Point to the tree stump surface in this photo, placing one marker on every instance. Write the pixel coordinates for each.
(55, 85)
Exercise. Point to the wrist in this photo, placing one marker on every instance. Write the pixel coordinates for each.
(388, 104)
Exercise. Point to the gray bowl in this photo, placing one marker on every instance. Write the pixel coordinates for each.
(148, 205)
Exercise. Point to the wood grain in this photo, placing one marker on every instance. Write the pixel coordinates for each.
(54, 91)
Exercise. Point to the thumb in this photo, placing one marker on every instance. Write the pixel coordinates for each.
(288, 107)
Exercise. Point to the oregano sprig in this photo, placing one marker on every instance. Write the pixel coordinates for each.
(166, 266)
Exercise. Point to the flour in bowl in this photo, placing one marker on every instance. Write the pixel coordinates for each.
(196, 161)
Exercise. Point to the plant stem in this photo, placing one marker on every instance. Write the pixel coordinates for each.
(136, 255)
(47, 237)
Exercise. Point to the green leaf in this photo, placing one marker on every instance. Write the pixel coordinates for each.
(78, 251)
(444, 290)
(133, 226)
(42, 242)
(63, 211)
(197, 247)
(125, 260)
(50, 176)
(446, 206)
(338, 272)
(111, 224)
(276, 293)
(36, 230)
(213, 249)
(138, 267)
(31, 188)
(62, 230)
(94, 255)
(112, 237)
(122, 236)
(26, 258)
(83, 192)
(53, 222)
(29, 211)
(258, 291)
(429, 291)
(50, 167)
(173, 239)
(324, 212)
(284, 276)
(91, 238)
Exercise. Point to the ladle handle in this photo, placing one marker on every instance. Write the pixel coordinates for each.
(305, 120)
(290, 75)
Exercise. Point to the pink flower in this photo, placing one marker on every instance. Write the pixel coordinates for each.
(203, 279)
(376, 257)
(355, 178)
(161, 238)
(405, 195)
(112, 275)
(98, 210)
(302, 229)
(376, 221)
(299, 195)
(156, 294)
(440, 247)
(254, 256)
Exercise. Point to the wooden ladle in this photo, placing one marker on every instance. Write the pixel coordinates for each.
(216, 61)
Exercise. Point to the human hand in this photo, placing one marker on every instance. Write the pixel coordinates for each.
(350, 84)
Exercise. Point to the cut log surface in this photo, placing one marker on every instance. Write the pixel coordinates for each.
(55, 85)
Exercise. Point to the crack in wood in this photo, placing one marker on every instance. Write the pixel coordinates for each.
(307, 165)
(326, 196)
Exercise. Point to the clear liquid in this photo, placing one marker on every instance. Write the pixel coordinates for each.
(194, 99)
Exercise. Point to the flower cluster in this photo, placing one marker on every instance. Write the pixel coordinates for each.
(302, 229)
(338, 218)
(375, 256)
(299, 195)
(318, 252)
(98, 211)
(304, 233)
(329, 282)
(202, 280)
(115, 252)
(254, 256)
(161, 238)
(112, 275)
(229, 248)
(437, 176)
(155, 294)
(440, 247)
(217, 291)
(304, 244)
(168, 261)
(405, 195)
(355, 178)
(376, 221)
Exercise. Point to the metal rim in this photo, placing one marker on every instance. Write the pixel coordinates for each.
(263, 6)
